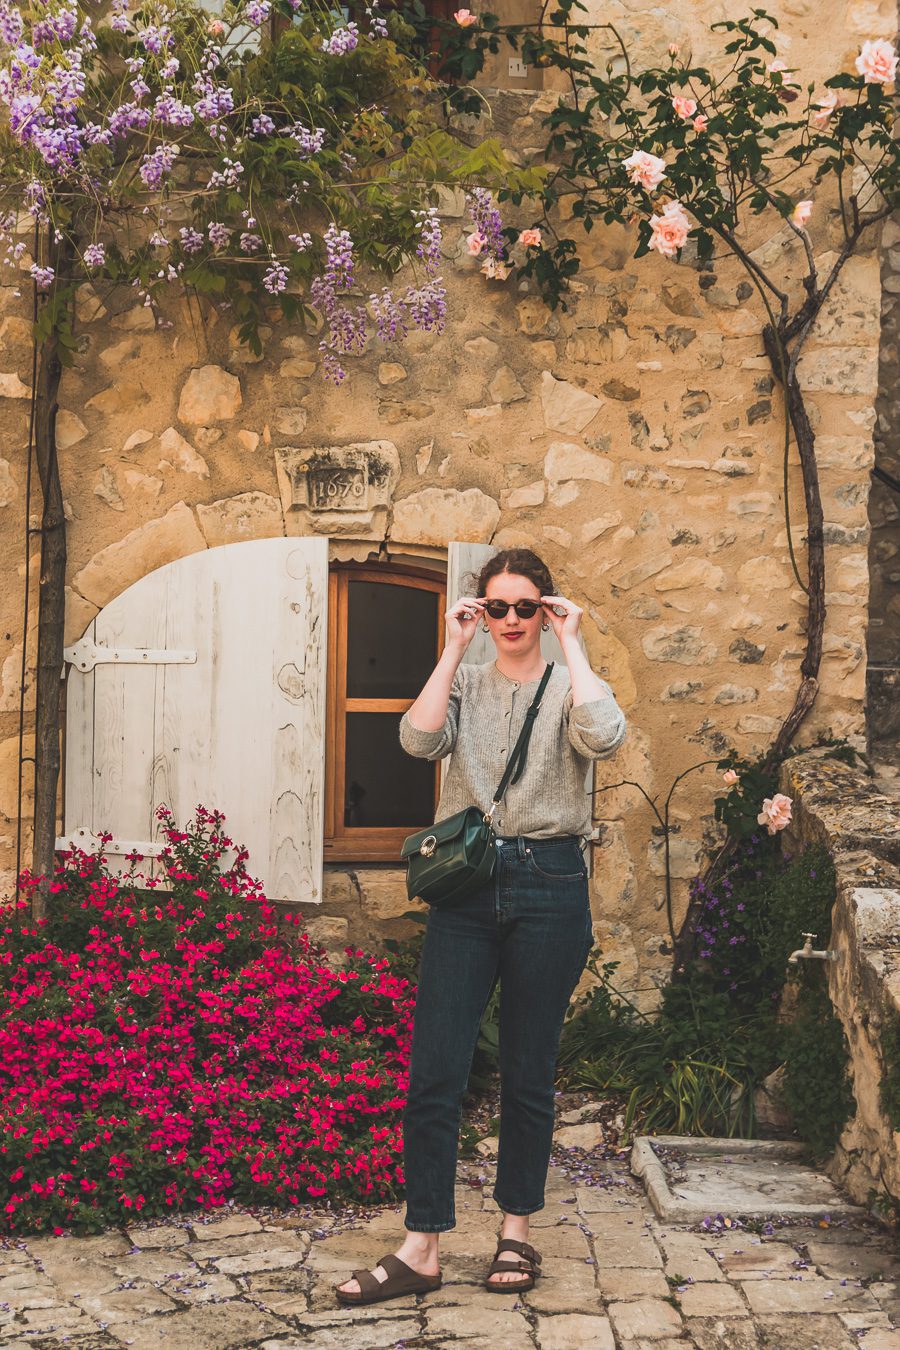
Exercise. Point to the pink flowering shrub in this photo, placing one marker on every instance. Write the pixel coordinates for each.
(182, 1048)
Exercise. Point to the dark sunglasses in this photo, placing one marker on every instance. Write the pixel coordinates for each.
(498, 609)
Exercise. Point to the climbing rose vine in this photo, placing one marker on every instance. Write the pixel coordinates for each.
(168, 1045)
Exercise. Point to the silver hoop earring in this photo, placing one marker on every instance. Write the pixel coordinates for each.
(545, 627)
(484, 628)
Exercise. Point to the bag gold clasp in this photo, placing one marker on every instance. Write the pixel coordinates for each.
(428, 845)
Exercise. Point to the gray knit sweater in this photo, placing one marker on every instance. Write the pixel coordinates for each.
(484, 718)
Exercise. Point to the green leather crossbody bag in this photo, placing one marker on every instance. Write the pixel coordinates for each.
(455, 856)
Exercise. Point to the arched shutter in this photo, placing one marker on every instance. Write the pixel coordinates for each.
(205, 683)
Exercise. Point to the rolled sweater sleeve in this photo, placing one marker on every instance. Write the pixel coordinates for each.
(434, 744)
(596, 729)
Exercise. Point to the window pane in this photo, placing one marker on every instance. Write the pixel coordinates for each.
(385, 785)
(391, 639)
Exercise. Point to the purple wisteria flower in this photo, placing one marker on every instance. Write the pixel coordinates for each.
(156, 165)
(428, 306)
(310, 142)
(342, 40)
(257, 11)
(94, 255)
(430, 240)
(488, 225)
(301, 241)
(219, 234)
(191, 240)
(172, 112)
(119, 21)
(11, 25)
(377, 23)
(276, 278)
(250, 243)
(228, 176)
(262, 125)
(390, 315)
(43, 276)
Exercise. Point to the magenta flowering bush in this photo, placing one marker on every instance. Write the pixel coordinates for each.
(167, 1049)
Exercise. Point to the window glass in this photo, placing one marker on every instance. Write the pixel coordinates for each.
(384, 786)
(391, 639)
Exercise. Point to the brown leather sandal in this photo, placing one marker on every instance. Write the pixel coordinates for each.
(402, 1279)
(529, 1265)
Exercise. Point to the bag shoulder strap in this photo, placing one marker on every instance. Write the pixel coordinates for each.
(516, 762)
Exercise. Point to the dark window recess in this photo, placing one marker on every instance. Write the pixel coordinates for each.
(385, 786)
(391, 639)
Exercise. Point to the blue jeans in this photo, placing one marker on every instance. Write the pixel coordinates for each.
(530, 927)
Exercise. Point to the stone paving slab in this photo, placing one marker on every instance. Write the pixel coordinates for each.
(615, 1277)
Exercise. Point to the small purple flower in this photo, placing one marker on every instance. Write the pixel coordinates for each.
(257, 11)
(228, 176)
(309, 141)
(94, 255)
(488, 223)
(276, 278)
(342, 41)
(301, 242)
(219, 234)
(250, 243)
(390, 315)
(262, 125)
(43, 276)
(155, 166)
(191, 240)
(11, 26)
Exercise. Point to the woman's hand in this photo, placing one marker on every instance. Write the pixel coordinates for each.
(461, 621)
(567, 624)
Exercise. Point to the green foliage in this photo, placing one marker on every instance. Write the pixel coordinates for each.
(890, 1075)
(693, 1066)
(689, 1069)
(816, 1083)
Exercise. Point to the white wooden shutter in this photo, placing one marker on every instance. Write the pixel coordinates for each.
(205, 683)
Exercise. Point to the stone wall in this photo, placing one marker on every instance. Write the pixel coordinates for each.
(838, 806)
(884, 515)
(633, 439)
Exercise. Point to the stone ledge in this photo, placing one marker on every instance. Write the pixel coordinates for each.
(839, 807)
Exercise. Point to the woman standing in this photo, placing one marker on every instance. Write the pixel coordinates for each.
(530, 927)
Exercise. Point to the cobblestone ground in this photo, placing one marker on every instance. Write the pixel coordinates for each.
(614, 1279)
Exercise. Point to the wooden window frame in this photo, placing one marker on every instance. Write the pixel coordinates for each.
(348, 843)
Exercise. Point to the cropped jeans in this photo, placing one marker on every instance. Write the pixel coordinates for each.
(529, 928)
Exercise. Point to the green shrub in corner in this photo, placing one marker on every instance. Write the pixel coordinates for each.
(890, 1074)
(816, 1081)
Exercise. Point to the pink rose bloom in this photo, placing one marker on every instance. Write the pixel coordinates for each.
(826, 106)
(776, 67)
(644, 169)
(215, 27)
(801, 213)
(700, 123)
(475, 243)
(465, 18)
(670, 230)
(877, 62)
(729, 778)
(684, 107)
(530, 238)
(775, 813)
(674, 49)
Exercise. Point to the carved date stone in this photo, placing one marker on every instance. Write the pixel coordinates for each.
(338, 489)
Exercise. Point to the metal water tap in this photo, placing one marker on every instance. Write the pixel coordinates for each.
(806, 952)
